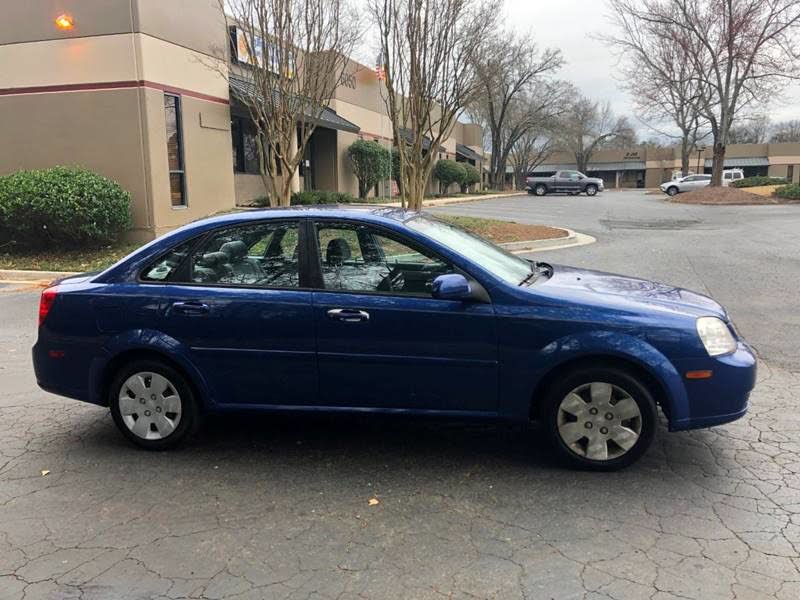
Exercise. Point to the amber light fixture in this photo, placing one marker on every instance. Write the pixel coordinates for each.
(65, 22)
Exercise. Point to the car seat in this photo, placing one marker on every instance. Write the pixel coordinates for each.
(337, 252)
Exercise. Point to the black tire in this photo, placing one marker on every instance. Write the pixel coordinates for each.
(189, 417)
(620, 380)
(591, 190)
(672, 190)
(540, 189)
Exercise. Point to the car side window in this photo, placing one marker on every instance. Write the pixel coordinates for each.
(359, 258)
(258, 255)
(166, 265)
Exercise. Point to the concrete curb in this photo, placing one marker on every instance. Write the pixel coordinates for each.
(572, 239)
(434, 202)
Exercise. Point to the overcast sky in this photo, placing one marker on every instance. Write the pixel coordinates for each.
(570, 25)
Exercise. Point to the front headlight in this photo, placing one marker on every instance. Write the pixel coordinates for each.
(716, 336)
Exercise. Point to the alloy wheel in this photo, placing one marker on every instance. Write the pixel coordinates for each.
(150, 405)
(599, 421)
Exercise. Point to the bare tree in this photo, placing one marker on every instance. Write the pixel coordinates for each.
(660, 79)
(587, 126)
(292, 56)
(530, 150)
(740, 51)
(512, 66)
(750, 130)
(428, 54)
(785, 132)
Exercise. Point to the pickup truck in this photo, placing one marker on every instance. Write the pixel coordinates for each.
(571, 182)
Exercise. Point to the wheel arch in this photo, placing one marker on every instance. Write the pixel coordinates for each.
(649, 379)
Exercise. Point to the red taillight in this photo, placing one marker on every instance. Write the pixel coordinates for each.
(46, 303)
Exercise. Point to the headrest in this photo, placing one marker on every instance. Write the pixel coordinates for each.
(236, 249)
(337, 252)
(213, 259)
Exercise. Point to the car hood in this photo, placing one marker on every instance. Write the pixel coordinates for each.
(631, 293)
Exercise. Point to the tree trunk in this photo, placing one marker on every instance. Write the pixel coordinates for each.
(685, 155)
(362, 189)
(718, 164)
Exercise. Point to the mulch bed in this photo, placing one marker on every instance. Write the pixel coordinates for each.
(724, 196)
(505, 231)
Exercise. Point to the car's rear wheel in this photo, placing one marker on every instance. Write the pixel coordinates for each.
(540, 190)
(672, 190)
(591, 190)
(152, 404)
(601, 419)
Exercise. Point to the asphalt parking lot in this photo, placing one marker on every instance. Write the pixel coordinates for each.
(279, 507)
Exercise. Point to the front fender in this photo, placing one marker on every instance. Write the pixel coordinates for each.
(615, 345)
(145, 340)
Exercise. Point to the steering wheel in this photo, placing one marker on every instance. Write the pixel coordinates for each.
(394, 280)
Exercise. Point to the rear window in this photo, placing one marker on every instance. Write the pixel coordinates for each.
(165, 266)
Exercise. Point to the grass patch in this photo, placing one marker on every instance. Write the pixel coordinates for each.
(67, 260)
(500, 232)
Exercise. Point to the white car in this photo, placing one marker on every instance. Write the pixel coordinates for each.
(695, 182)
(689, 183)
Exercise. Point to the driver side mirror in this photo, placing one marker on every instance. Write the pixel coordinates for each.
(452, 286)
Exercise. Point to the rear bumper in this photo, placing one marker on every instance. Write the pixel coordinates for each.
(722, 398)
(66, 374)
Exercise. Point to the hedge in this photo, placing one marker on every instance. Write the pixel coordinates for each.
(758, 180)
(62, 207)
(319, 197)
(791, 191)
(471, 176)
(371, 164)
(449, 172)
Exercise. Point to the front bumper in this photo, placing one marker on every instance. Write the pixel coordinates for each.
(722, 398)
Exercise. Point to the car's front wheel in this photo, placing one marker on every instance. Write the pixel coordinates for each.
(540, 190)
(152, 404)
(672, 190)
(601, 419)
(591, 190)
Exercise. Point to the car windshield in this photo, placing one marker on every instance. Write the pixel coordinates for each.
(506, 266)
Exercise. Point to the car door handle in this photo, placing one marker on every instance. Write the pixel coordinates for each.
(190, 308)
(348, 315)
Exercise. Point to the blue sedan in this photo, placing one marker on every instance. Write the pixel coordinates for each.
(385, 311)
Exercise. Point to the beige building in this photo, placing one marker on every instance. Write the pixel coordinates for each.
(647, 166)
(134, 90)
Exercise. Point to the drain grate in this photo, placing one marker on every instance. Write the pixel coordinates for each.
(652, 224)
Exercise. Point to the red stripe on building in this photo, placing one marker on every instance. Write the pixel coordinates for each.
(110, 85)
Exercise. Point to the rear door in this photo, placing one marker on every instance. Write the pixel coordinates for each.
(383, 341)
(239, 302)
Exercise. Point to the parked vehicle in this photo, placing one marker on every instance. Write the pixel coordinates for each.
(731, 175)
(378, 310)
(570, 182)
(689, 183)
(695, 182)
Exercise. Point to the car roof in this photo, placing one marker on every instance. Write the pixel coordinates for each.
(366, 212)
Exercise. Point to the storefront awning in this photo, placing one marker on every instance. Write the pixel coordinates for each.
(408, 136)
(628, 165)
(468, 153)
(242, 89)
(744, 161)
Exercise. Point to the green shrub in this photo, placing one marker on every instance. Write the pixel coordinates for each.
(791, 191)
(471, 176)
(449, 172)
(62, 207)
(757, 181)
(321, 197)
(371, 163)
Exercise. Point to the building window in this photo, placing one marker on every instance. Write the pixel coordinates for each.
(177, 175)
(245, 147)
(790, 173)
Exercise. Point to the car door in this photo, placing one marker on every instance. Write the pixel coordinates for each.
(688, 184)
(571, 182)
(383, 341)
(238, 303)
